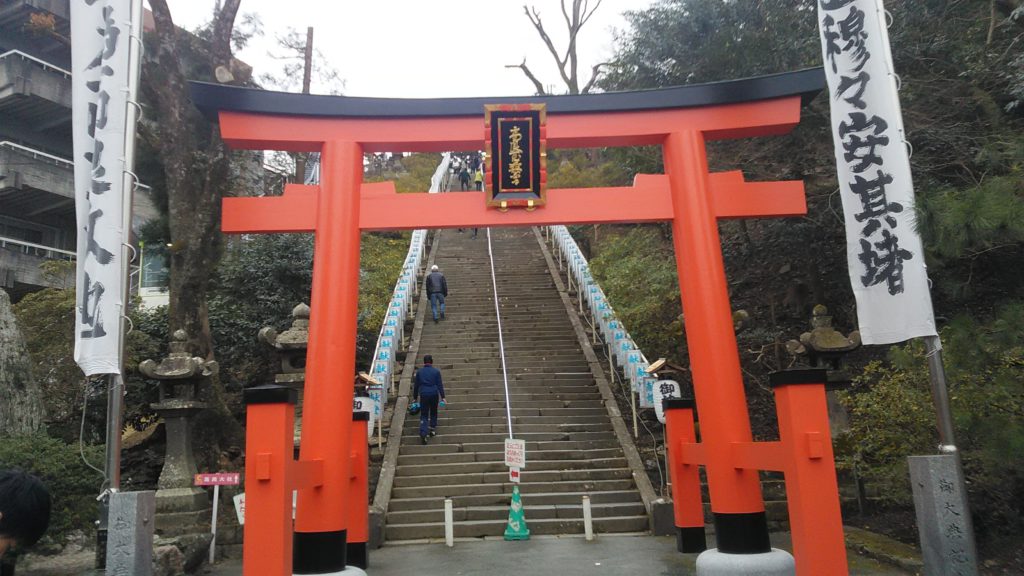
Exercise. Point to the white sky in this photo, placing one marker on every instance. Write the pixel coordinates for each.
(422, 48)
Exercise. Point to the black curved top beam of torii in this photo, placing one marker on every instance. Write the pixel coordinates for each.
(213, 98)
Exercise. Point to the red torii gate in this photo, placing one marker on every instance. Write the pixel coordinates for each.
(680, 120)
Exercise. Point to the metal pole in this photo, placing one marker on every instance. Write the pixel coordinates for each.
(940, 394)
(213, 522)
(142, 266)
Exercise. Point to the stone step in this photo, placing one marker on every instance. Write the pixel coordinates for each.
(494, 354)
(536, 477)
(499, 456)
(453, 337)
(532, 512)
(504, 499)
(481, 528)
(494, 437)
(522, 371)
(499, 445)
(580, 378)
(458, 394)
(574, 486)
(525, 429)
(519, 407)
(516, 420)
(479, 409)
(534, 384)
(453, 469)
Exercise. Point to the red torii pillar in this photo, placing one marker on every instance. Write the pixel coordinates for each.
(691, 197)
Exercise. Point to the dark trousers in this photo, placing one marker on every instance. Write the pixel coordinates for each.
(428, 413)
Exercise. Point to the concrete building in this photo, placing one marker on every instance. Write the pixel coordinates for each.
(37, 206)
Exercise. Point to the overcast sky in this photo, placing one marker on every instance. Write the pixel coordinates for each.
(422, 48)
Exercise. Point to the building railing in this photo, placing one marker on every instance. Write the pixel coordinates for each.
(46, 65)
(37, 153)
(30, 247)
(69, 164)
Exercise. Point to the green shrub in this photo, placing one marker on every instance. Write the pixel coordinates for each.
(892, 416)
(637, 272)
(73, 485)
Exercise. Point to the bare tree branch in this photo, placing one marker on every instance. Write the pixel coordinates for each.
(568, 22)
(529, 74)
(595, 73)
(223, 24)
(568, 63)
(535, 20)
(170, 102)
(587, 16)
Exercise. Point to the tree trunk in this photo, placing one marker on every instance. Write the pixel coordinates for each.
(21, 399)
(197, 167)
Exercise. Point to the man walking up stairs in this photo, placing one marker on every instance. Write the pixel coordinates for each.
(428, 388)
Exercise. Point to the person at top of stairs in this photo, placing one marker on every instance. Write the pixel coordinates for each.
(437, 291)
(428, 387)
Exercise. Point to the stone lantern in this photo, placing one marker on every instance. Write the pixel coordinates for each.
(290, 346)
(178, 502)
(825, 347)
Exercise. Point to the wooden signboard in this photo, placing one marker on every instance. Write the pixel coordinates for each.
(516, 140)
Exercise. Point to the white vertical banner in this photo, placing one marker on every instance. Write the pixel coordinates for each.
(100, 31)
(884, 251)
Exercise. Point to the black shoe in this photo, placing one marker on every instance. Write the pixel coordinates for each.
(433, 433)
(442, 315)
(423, 439)
(435, 320)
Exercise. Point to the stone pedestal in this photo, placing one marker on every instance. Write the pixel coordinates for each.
(178, 502)
(775, 563)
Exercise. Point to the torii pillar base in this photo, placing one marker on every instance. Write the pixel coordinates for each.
(774, 563)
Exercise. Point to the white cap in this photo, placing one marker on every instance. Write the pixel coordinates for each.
(433, 268)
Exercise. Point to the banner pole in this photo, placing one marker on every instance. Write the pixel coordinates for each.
(116, 388)
(940, 394)
(115, 382)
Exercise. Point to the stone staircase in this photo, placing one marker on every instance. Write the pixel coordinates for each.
(571, 446)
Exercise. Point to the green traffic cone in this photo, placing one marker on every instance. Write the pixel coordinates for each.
(516, 528)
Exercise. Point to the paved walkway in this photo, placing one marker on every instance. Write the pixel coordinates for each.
(543, 555)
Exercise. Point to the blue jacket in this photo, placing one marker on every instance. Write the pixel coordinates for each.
(427, 382)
